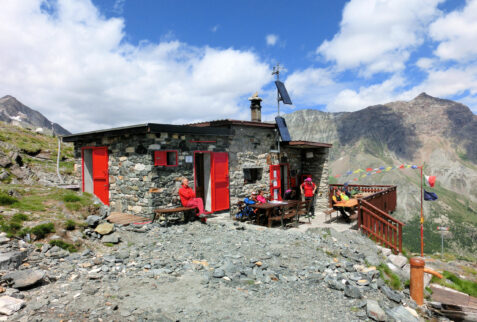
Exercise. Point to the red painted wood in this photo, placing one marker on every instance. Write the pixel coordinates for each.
(220, 181)
(100, 174)
(275, 183)
(160, 158)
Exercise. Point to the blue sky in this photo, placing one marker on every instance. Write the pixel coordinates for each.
(91, 64)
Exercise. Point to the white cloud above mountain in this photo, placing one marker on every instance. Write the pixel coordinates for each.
(379, 36)
(76, 67)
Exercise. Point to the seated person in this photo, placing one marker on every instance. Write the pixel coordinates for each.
(188, 199)
(252, 199)
(261, 198)
(290, 195)
(345, 190)
(345, 212)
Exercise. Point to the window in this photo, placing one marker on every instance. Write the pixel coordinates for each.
(252, 175)
(165, 158)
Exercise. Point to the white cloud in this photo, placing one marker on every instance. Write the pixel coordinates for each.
(312, 86)
(75, 66)
(378, 35)
(350, 100)
(214, 28)
(118, 6)
(271, 39)
(449, 82)
(457, 33)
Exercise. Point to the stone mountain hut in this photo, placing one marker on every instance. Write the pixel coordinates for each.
(138, 168)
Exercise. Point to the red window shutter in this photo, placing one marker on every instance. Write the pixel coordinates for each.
(160, 158)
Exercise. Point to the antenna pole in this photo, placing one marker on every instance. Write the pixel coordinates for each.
(276, 71)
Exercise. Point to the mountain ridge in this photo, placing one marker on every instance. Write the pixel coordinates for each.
(436, 133)
(13, 111)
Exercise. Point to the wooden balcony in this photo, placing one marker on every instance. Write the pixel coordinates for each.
(375, 207)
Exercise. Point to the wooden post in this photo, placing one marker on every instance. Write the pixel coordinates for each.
(416, 286)
(422, 222)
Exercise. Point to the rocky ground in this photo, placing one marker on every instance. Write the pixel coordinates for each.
(218, 271)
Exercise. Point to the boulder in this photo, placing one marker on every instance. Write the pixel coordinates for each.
(4, 175)
(11, 260)
(113, 239)
(57, 252)
(104, 229)
(374, 311)
(10, 305)
(400, 313)
(397, 260)
(24, 278)
(352, 291)
(93, 220)
(390, 294)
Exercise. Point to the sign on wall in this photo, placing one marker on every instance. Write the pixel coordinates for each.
(188, 159)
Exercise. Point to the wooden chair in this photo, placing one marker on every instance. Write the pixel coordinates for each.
(329, 213)
(302, 209)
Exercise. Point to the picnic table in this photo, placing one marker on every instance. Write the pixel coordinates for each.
(269, 208)
(347, 203)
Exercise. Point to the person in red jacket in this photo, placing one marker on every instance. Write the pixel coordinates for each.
(188, 199)
(308, 188)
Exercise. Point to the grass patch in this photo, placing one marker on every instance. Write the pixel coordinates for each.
(71, 198)
(19, 218)
(11, 228)
(469, 270)
(108, 244)
(70, 224)
(6, 200)
(389, 277)
(453, 281)
(42, 230)
(39, 199)
(64, 245)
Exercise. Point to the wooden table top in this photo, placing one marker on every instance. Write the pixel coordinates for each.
(269, 205)
(347, 203)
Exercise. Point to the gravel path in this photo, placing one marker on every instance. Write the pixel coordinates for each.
(220, 271)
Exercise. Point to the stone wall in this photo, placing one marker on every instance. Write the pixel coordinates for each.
(136, 185)
(316, 166)
(250, 149)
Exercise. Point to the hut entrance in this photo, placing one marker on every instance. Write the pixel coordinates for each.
(211, 173)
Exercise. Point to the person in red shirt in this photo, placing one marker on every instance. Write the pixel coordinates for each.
(308, 188)
(188, 199)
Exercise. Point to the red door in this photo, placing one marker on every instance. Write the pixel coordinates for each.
(220, 181)
(100, 174)
(275, 183)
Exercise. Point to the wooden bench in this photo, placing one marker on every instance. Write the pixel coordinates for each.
(167, 211)
(330, 212)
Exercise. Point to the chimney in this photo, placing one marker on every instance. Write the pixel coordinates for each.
(256, 108)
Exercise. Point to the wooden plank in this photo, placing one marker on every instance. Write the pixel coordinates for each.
(448, 296)
(125, 219)
(169, 210)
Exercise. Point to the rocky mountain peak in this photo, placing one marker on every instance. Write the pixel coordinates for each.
(13, 111)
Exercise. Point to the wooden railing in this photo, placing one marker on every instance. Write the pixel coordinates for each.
(380, 226)
(374, 218)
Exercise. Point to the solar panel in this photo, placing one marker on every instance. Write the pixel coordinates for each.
(283, 93)
(282, 129)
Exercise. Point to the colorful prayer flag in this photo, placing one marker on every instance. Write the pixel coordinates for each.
(430, 196)
(430, 180)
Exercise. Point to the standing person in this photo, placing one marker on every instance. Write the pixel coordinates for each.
(308, 188)
(188, 199)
